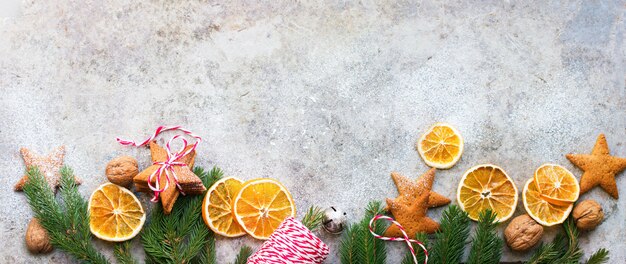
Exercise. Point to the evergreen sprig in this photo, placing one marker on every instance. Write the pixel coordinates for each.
(180, 237)
(358, 245)
(122, 253)
(600, 256)
(565, 249)
(486, 244)
(67, 224)
(573, 253)
(548, 253)
(313, 218)
(244, 253)
(207, 256)
(450, 239)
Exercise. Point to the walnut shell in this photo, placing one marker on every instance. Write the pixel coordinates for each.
(121, 170)
(523, 233)
(587, 214)
(37, 239)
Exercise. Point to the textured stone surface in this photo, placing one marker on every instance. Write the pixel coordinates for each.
(328, 98)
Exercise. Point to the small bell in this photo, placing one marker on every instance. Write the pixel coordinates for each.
(334, 220)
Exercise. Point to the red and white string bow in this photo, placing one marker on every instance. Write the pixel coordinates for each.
(166, 167)
(290, 243)
(406, 237)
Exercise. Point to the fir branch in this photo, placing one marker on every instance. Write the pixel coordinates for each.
(549, 253)
(564, 248)
(450, 239)
(181, 236)
(600, 256)
(358, 245)
(244, 253)
(573, 253)
(66, 224)
(544, 254)
(211, 258)
(486, 244)
(408, 258)
(313, 218)
(122, 253)
(348, 247)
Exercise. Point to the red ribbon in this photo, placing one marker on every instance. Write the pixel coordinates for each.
(172, 160)
(405, 236)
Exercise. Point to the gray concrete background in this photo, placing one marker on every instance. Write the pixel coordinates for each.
(328, 98)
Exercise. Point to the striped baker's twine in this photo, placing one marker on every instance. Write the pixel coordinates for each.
(166, 167)
(406, 237)
(291, 242)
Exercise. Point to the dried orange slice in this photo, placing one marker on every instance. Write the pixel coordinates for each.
(556, 184)
(115, 214)
(261, 205)
(487, 187)
(441, 146)
(542, 211)
(217, 207)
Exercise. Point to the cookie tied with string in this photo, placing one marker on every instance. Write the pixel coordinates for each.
(187, 180)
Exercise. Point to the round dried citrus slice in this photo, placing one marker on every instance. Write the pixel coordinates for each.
(441, 146)
(543, 212)
(217, 207)
(115, 214)
(487, 187)
(261, 205)
(556, 184)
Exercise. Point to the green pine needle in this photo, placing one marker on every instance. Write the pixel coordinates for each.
(600, 256)
(313, 218)
(67, 224)
(450, 239)
(182, 236)
(244, 253)
(122, 253)
(486, 244)
(358, 245)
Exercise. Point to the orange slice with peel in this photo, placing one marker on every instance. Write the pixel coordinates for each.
(441, 146)
(217, 207)
(261, 205)
(556, 184)
(545, 213)
(115, 213)
(484, 187)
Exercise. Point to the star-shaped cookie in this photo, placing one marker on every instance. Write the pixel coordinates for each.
(49, 166)
(412, 217)
(411, 205)
(409, 188)
(600, 168)
(187, 180)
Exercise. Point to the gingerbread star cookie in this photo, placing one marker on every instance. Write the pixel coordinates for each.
(187, 180)
(411, 205)
(410, 188)
(412, 217)
(600, 168)
(49, 166)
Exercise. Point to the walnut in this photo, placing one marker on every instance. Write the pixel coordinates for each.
(37, 239)
(121, 170)
(588, 214)
(523, 233)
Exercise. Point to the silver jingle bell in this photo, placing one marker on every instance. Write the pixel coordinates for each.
(334, 220)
